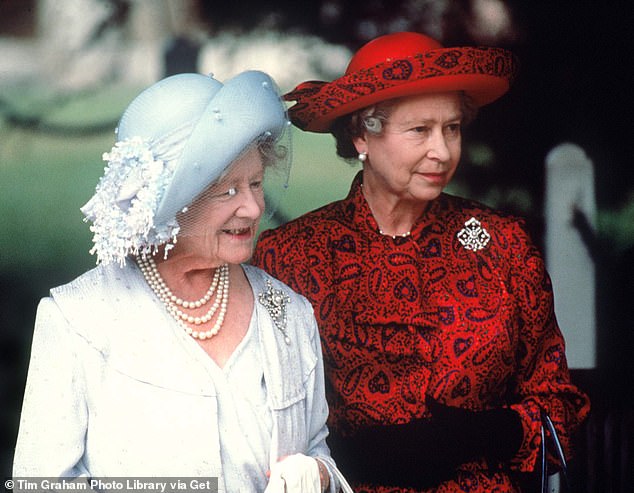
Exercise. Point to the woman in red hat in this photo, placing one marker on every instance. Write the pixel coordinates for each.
(441, 347)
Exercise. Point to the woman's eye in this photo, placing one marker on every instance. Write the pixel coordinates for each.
(256, 185)
(419, 130)
(231, 192)
(453, 129)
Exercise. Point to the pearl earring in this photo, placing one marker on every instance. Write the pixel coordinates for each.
(362, 156)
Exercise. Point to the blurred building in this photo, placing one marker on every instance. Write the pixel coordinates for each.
(73, 44)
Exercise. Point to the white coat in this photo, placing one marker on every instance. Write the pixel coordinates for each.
(116, 389)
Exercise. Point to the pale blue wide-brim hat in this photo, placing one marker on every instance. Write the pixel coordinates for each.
(175, 139)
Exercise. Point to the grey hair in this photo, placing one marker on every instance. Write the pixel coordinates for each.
(372, 119)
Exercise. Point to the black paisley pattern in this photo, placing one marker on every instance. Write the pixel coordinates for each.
(402, 319)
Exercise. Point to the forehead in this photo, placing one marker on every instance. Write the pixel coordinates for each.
(427, 106)
(248, 164)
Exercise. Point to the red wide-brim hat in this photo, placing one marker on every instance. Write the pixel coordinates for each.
(402, 64)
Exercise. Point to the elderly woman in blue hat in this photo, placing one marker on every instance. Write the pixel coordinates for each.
(172, 358)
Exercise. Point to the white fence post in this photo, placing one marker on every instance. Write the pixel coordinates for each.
(570, 191)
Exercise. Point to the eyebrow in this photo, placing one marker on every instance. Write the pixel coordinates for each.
(415, 120)
(229, 181)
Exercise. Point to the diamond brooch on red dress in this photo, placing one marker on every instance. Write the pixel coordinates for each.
(473, 236)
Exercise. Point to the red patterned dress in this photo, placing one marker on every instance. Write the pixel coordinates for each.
(461, 310)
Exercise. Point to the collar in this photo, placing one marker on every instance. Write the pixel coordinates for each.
(363, 219)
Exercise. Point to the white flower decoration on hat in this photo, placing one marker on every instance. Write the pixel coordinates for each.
(137, 181)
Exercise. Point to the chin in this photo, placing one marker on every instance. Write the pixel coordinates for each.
(428, 194)
(238, 257)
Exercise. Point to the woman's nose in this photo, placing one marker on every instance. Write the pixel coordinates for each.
(251, 204)
(438, 147)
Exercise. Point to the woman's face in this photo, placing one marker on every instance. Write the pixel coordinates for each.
(222, 223)
(417, 153)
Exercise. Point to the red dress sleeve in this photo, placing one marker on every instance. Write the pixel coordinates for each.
(542, 378)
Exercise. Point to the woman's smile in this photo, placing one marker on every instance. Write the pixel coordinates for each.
(240, 233)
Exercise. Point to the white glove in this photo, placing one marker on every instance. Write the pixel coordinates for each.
(294, 474)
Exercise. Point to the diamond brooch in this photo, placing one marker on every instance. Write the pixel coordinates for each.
(473, 236)
(275, 301)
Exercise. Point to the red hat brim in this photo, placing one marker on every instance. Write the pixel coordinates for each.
(483, 73)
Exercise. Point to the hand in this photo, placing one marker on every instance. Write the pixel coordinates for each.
(294, 474)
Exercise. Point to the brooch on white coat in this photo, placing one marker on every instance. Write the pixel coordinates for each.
(275, 301)
(473, 236)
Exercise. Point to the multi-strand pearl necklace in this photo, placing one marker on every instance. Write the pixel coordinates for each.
(219, 286)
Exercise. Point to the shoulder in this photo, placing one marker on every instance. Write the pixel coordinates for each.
(305, 226)
(471, 229)
(460, 212)
(461, 207)
(104, 302)
(263, 282)
(94, 282)
(287, 248)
